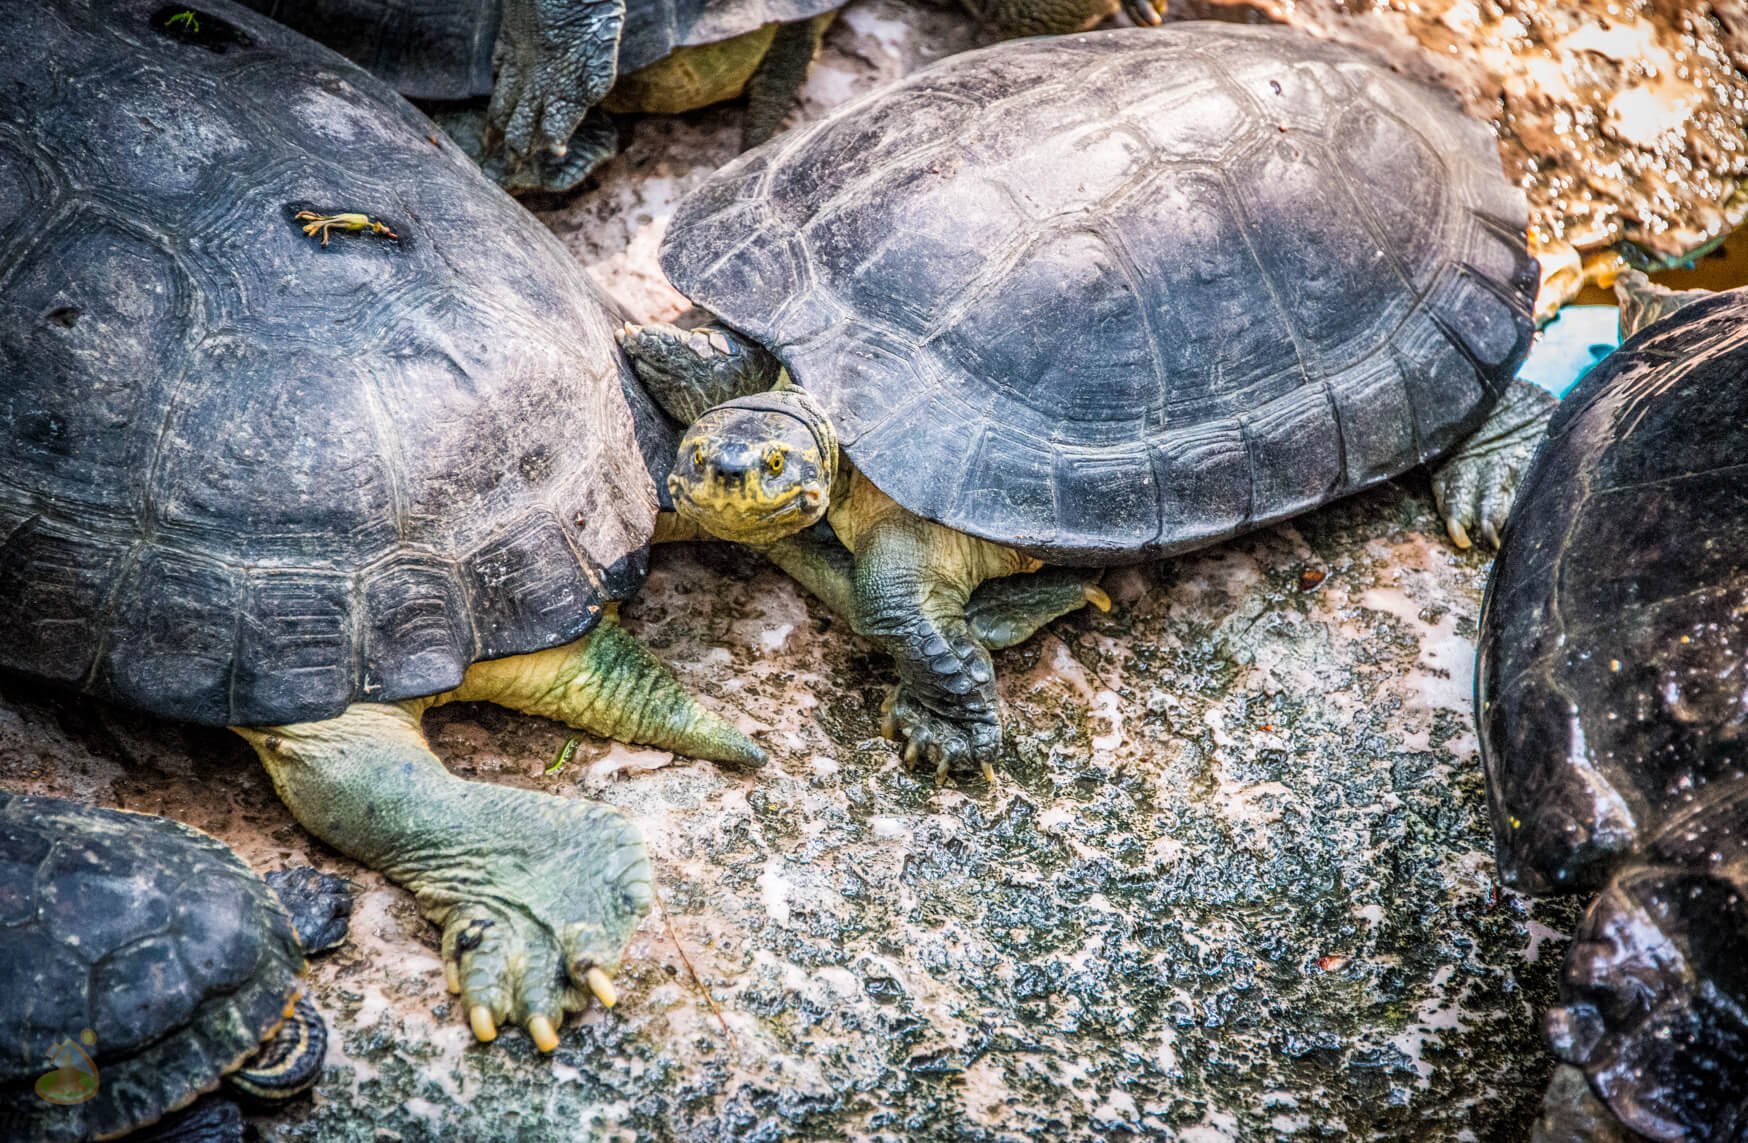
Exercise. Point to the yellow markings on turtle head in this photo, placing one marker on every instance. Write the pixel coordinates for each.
(350, 221)
(185, 21)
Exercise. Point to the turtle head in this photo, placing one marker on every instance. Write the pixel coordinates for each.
(756, 469)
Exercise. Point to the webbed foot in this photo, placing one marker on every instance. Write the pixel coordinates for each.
(535, 925)
(932, 738)
(1474, 487)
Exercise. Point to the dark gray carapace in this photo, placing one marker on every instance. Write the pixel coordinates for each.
(1612, 690)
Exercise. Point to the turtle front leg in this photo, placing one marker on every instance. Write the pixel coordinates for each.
(1475, 485)
(536, 895)
(691, 371)
(913, 578)
(556, 60)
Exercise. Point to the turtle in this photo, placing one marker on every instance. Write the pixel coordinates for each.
(146, 961)
(307, 427)
(1612, 716)
(1087, 300)
(558, 60)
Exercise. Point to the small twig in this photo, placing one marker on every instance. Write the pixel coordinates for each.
(693, 973)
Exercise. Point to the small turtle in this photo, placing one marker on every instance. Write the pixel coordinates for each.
(1089, 300)
(309, 490)
(559, 59)
(1613, 717)
(145, 961)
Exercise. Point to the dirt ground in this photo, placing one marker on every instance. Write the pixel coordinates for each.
(1234, 880)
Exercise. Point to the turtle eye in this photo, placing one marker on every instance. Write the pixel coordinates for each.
(774, 461)
(698, 455)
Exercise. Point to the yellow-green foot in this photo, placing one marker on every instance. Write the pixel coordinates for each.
(568, 883)
(536, 895)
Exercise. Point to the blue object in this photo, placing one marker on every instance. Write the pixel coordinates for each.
(1570, 346)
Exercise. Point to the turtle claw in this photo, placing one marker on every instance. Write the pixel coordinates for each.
(541, 1032)
(563, 893)
(1475, 486)
(946, 743)
(602, 986)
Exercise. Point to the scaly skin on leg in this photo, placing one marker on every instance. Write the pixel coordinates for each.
(536, 895)
(913, 578)
(1002, 612)
(608, 684)
(1006, 612)
(556, 60)
(690, 372)
(774, 87)
(595, 140)
(1474, 485)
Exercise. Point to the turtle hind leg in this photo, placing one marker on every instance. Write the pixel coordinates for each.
(290, 1061)
(1007, 611)
(776, 84)
(1475, 485)
(691, 371)
(320, 905)
(1644, 302)
(536, 895)
(1002, 612)
(610, 685)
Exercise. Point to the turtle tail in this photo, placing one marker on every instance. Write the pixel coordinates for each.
(631, 695)
(609, 684)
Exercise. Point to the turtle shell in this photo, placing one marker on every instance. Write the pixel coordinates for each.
(435, 49)
(1115, 295)
(1610, 670)
(250, 477)
(140, 953)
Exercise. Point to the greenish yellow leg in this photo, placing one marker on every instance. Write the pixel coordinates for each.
(536, 895)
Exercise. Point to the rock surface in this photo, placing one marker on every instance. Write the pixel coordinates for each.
(1234, 880)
